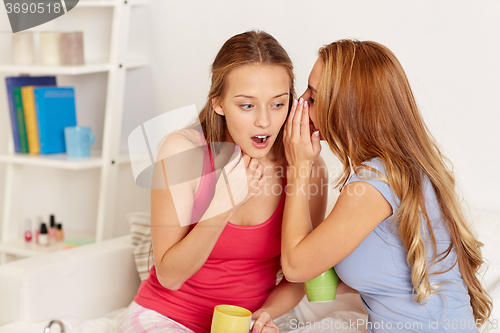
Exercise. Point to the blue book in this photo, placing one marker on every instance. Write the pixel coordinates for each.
(21, 81)
(55, 109)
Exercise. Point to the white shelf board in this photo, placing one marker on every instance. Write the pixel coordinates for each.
(18, 247)
(61, 161)
(55, 70)
(95, 3)
(108, 3)
(68, 70)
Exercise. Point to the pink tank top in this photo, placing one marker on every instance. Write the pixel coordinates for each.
(241, 270)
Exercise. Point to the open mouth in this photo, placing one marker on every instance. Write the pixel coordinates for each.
(260, 138)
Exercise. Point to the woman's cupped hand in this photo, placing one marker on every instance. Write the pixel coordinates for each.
(301, 146)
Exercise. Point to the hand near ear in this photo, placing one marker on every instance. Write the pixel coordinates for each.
(301, 148)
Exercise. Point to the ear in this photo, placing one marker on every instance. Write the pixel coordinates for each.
(217, 107)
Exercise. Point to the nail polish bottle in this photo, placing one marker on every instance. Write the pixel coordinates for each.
(59, 232)
(43, 238)
(28, 235)
(53, 228)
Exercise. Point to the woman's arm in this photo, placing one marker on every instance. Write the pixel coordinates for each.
(358, 210)
(307, 254)
(178, 252)
(318, 191)
(284, 297)
(287, 295)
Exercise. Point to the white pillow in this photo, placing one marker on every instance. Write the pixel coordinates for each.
(140, 230)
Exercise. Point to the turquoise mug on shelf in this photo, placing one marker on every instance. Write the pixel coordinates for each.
(78, 139)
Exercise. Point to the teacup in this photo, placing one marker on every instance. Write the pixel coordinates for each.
(322, 288)
(230, 319)
(78, 141)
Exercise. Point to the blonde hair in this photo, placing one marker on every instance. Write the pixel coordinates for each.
(366, 109)
(243, 49)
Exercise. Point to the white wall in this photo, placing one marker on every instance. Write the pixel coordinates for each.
(449, 49)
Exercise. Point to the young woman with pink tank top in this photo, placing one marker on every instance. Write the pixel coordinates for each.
(234, 257)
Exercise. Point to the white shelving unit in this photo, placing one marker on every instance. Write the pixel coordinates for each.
(108, 159)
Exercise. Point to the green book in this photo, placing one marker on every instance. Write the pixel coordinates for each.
(21, 126)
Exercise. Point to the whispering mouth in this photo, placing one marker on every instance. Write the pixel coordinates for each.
(312, 128)
(260, 138)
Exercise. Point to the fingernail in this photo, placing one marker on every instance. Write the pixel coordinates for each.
(316, 133)
(294, 104)
(255, 330)
(305, 104)
(300, 102)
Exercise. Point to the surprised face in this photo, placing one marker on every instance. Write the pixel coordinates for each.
(255, 106)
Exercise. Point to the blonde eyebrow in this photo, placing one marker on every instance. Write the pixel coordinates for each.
(247, 96)
(283, 94)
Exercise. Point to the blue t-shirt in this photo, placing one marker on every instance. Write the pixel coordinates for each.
(378, 269)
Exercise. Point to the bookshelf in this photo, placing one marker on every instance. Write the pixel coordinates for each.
(107, 160)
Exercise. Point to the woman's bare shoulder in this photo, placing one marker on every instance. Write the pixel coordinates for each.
(178, 142)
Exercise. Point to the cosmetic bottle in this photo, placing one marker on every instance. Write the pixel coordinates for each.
(59, 232)
(28, 235)
(53, 228)
(43, 238)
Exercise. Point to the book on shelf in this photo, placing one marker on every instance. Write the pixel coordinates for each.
(55, 110)
(74, 242)
(21, 126)
(20, 81)
(30, 119)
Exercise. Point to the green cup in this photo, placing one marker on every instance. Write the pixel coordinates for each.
(322, 288)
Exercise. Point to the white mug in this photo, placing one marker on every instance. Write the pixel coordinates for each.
(50, 43)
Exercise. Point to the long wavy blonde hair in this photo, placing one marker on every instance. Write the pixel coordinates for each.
(366, 109)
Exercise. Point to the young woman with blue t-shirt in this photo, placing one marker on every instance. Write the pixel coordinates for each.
(397, 233)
